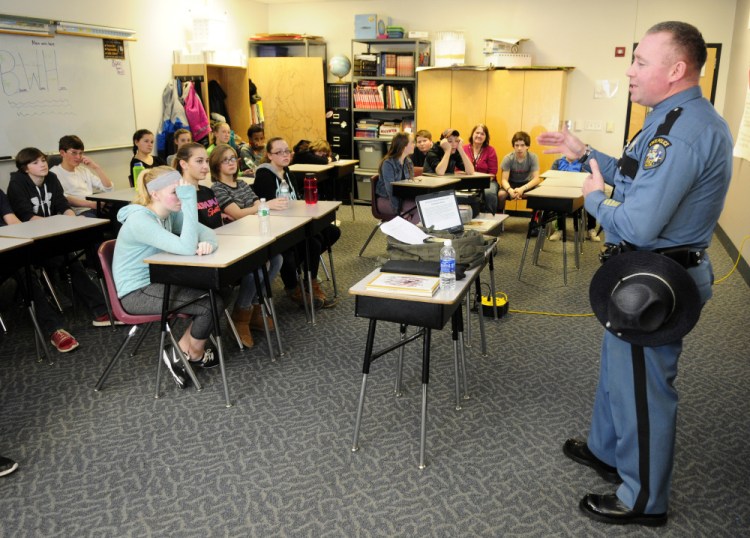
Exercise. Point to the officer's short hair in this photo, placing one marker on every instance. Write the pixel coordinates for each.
(688, 40)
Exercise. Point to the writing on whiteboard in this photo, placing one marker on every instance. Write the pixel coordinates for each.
(31, 79)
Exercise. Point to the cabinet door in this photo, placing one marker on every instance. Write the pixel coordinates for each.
(434, 101)
(468, 101)
(504, 108)
(543, 100)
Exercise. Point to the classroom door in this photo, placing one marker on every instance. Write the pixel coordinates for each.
(636, 114)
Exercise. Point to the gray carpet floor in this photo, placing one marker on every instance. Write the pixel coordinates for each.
(279, 462)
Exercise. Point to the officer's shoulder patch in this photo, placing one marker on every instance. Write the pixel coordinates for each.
(657, 152)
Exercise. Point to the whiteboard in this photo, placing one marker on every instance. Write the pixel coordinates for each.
(55, 86)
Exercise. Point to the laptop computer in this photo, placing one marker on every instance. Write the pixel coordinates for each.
(439, 211)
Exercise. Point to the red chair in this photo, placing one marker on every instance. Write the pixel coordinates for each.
(375, 213)
(106, 252)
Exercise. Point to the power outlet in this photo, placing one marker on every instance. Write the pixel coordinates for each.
(593, 125)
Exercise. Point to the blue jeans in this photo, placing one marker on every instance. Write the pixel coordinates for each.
(247, 293)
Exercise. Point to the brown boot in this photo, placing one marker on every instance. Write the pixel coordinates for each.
(241, 319)
(297, 296)
(256, 319)
(320, 296)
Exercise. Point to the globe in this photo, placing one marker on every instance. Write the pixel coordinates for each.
(339, 66)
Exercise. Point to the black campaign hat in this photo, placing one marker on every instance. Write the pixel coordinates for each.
(645, 298)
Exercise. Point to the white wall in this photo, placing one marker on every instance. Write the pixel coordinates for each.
(735, 219)
(578, 33)
(161, 26)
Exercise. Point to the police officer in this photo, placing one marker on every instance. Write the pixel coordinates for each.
(669, 190)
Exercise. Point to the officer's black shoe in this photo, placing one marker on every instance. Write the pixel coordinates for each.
(579, 452)
(610, 509)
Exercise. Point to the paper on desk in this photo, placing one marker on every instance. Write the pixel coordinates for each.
(404, 231)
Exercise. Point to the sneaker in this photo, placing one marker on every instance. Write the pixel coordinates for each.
(556, 235)
(63, 341)
(208, 360)
(103, 321)
(175, 368)
(593, 236)
(7, 466)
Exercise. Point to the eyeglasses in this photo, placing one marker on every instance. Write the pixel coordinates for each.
(229, 160)
(74, 153)
(282, 152)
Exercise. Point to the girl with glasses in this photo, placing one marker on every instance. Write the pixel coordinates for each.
(268, 177)
(237, 199)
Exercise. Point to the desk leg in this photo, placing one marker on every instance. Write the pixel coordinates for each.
(400, 369)
(425, 382)
(480, 313)
(365, 371)
(565, 250)
(262, 303)
(577, 237)
(468, 325)
(39, 341)
(492, 286)
(456, 367)
(272, 310)
(525, 248)
(462, 351)
(333, 273)
(309, 282)
(219, 348)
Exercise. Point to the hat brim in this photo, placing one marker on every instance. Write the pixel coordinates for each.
(687, 307)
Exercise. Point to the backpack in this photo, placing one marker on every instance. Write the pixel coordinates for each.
(470, 248)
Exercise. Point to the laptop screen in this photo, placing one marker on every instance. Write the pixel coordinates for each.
(439, 210)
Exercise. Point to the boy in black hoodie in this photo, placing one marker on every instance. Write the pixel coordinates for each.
(36, 193)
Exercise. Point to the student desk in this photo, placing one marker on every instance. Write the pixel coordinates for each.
(285, 232)
(491, 225)
(14, 255)
(563, 201)
(53, 236)
(428, 313)
(411, 188)
(321, 215)
(235, 257)
(466, 182)
(117, 199)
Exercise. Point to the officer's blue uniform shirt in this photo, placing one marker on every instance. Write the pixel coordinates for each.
(678, 192)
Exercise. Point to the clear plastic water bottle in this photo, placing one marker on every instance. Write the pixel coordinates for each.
(264, 217)
(447, 266)
(137, 169)
(284, 190)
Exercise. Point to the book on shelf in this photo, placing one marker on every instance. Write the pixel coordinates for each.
(402, 284)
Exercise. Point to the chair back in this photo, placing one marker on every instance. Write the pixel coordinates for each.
(106, 253)
(54, 159)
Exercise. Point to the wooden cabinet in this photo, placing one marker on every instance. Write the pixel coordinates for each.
(233, 80)
(293, 95)
(506, 100)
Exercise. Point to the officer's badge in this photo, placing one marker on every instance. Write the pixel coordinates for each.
(657, 153)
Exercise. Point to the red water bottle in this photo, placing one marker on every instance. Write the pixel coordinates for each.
(311, 189)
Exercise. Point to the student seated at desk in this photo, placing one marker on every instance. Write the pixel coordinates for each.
(423, 141)
(50, 321)
(268, 178)
(318, 152)
(449, 157)
(143, 146)
(484, 158)
(164, 218)
(78, 181)
(520, 170)
(222, 133)
(181, 137)
(237, 199)
(396, 166)
(573, 165)
(252, 153)
(191, 161)
(36, 193)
